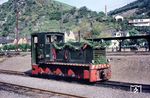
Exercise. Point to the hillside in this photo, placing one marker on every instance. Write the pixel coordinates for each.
(136, 9)
(34, 15)
(46, 15)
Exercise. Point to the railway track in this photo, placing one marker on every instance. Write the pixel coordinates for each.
(125, 86)
(32, 91)
(10, 72)
(127, 53)
(110, 84)
(9, 54)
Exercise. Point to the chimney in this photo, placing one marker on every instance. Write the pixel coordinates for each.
(106, 10)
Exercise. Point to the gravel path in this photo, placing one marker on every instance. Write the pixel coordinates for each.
(71, 88)
(134, 69)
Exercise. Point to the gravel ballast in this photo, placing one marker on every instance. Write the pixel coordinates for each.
(6, 94)
(71, 88)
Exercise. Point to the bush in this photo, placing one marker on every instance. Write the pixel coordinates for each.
(22, 47)
(9, 47)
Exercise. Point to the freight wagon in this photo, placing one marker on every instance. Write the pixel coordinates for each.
(82, 60)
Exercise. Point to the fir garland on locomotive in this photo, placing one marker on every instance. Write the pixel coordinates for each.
(82, 60)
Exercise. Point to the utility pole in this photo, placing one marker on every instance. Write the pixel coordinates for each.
(17, 17)
(17, 5)
(91, 26)
(17, 28)
(61, 21)
(79, 34)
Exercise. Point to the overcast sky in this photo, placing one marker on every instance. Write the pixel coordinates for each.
(95, 5)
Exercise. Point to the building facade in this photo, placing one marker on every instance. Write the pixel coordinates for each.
(140, 22)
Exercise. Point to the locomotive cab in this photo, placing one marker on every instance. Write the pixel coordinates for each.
(42, 45)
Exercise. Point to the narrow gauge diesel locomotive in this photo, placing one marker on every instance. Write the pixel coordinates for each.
(82, 60)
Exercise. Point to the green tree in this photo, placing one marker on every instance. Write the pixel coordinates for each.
(133, 32)
(83, 11)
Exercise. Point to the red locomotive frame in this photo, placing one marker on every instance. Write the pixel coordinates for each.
(92, 73)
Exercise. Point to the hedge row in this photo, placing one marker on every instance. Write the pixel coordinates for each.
(21, 47)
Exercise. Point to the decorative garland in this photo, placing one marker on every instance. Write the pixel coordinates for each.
(100, 60)
(81, 46)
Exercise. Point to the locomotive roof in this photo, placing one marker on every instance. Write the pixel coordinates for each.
(39, 33)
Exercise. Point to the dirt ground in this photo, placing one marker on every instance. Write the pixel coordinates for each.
(17, 63)
(134, 69)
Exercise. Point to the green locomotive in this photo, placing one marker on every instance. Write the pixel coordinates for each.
(83, 60)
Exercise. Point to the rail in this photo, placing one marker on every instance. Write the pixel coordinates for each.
(124, 85)
(37, 90)
(127, 53)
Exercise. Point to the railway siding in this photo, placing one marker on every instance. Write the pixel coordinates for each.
(70, 88)
(111, 84)
(29, 91)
